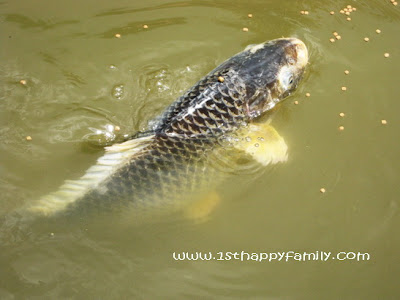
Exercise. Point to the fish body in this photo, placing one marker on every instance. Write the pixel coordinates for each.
(177, 156)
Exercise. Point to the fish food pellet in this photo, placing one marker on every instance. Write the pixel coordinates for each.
(332, 12)
(250, 15)
(296, 102)
(245, 29)
(306, 12)
(308, 94)
(221, 79)
(378, 31)
(344, 88)
(384, 122)
(332, 40)
(28, 138)
(341, 128)
(302, 12)
(335, 33)
(145, 26)
(117, 35)
(22, 81)
(342, 11)
(386, 55)
(366, 39)
(322, 190)
(348, 19)
(117, 128)
(347, 72)
(342, 114)
(338, 37)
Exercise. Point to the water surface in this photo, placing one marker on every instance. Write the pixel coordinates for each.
(82, 82)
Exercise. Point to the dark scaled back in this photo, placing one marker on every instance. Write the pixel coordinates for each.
(174, 164)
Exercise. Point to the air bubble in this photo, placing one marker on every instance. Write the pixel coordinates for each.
(118, 91)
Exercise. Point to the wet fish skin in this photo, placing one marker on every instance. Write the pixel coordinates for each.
(177, 154)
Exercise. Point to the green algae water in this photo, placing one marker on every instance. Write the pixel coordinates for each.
(81, 75)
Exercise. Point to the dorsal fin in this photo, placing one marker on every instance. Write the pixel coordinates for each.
(72, 190)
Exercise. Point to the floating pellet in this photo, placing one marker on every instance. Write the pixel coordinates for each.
(117, 35)
(347, 13)
(386, 55)
(384, 122)
(344, 88)
(28, 138)
(378, 31)
(245, 29)
(332, 12)
(341, 114)
(354, 9)
(221, 79)
(338, 37)
(341, 11)
(306, 12)
(250, 15)
(332, 40)
(308, 94)
(145, 26)
(341, 128)
(366, 39)
(348, 19)
(335, 33)
(302, 12)
(117, 128)
(347, 72)
(296, 102)
(22, 81)
(322, 190)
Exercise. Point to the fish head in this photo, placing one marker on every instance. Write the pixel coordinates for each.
(272, 71)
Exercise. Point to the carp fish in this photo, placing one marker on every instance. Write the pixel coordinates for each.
(176, 155)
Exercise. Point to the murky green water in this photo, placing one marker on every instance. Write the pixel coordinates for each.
(80, 79)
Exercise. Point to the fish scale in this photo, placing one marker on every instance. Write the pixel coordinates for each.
(182, 152)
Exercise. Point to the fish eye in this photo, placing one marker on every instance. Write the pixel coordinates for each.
(291, 80)
(291, 61)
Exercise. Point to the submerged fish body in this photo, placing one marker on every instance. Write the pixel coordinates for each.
(177, 155)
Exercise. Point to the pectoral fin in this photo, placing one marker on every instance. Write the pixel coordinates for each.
(202, 208)
(264, 144)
